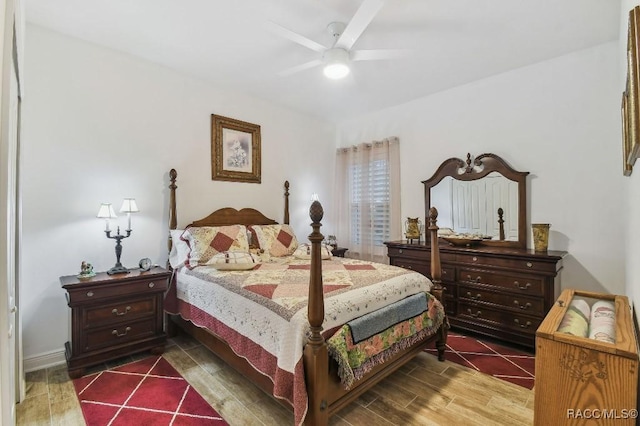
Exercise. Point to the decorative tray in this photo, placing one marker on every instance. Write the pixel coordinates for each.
(462, 241)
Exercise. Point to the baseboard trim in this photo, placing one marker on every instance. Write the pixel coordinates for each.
(45, 360)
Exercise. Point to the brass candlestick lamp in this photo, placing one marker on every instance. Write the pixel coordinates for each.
(106, 212)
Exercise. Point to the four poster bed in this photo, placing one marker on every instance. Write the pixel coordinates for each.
(267, 322)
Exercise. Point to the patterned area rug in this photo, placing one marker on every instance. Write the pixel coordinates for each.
(512, 365)
(145, 392)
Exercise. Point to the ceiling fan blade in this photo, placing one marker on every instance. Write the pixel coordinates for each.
(364, 15)
(379, 54)
(299, 68)
(295, 37)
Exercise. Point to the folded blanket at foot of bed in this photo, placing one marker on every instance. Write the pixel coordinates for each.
(367, 341)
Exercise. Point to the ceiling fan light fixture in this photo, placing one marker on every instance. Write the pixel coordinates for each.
(336, 63)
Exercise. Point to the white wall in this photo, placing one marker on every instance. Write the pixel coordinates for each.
(631, 205)
(100, 126)
(559, 120)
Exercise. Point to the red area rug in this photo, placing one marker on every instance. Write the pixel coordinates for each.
(145, 392)
(511, 365)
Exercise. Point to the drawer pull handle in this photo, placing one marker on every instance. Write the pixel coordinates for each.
(400, 251)
(476, 297)
(477, 280)
(476, 315)
(115, 311)
(126, 330)
(444, 272)
(89, 294)
(475, 259)
(151, 285)
(526, 325)
(525, 306)
(529, 264)
(525, 287)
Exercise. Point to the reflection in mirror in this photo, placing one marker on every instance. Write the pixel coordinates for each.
(470, 195)
(471, 207)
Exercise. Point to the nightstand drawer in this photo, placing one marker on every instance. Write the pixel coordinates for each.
(116, 290)
(118, 312)
(120, 334)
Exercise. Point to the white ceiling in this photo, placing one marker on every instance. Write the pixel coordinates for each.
(453, 42)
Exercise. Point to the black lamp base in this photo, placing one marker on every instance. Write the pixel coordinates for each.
(118, 270)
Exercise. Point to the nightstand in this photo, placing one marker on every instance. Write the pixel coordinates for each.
(113, 316)
(339, 251)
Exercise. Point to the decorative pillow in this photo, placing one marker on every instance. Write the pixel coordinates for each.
(179, 249)
(234, 261)
(207, 241)
(277, 240)
(304, 251)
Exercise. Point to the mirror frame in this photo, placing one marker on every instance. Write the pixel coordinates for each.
(481, 166)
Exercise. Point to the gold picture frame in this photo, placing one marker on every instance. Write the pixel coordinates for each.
(632, 102)
(235, 150)
(626, 140)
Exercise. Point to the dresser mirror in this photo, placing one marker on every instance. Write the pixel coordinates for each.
(483, 199)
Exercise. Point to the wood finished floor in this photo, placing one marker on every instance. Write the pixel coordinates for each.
(423, 392)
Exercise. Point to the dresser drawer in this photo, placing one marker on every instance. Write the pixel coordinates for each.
(423, 255)
(523, 265)
(115, 313)
(119, 334)
(412, 265)
(497, 317)
(517, 284)
(517, 302)
(106, 291)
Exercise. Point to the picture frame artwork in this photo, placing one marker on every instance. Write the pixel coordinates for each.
(626, 139)
(235, 150)
(631, 102)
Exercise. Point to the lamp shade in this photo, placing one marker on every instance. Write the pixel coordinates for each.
(106, 211)
(129, 206)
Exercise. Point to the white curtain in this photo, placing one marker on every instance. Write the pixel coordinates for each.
(368, 198)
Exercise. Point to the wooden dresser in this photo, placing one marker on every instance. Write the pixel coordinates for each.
(113, 316)
(501, 292)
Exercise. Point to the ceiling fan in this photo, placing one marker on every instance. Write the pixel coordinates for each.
(336, 58)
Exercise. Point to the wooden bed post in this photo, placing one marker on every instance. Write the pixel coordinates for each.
(316, 357)
(436, 278)
(286, 202)
(173, 218)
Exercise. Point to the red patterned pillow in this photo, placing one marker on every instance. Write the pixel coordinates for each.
(277, 240)
(207, 241)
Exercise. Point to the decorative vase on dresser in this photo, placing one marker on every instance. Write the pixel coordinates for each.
(494, 285)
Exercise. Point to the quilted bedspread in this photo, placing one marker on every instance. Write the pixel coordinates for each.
(262, 313)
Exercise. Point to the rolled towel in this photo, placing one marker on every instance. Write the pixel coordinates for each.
(602, 325)
(576, 320)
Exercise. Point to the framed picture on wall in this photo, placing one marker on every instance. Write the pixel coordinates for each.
(633, 82)
(235, 150)
(626, 140)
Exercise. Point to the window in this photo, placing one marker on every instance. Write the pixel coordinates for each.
(369, 205)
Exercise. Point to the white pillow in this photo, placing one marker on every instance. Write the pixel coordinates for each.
(304, 251)
(234, 261)
(179, 249)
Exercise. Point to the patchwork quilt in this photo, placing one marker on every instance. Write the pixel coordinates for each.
(262, 313)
